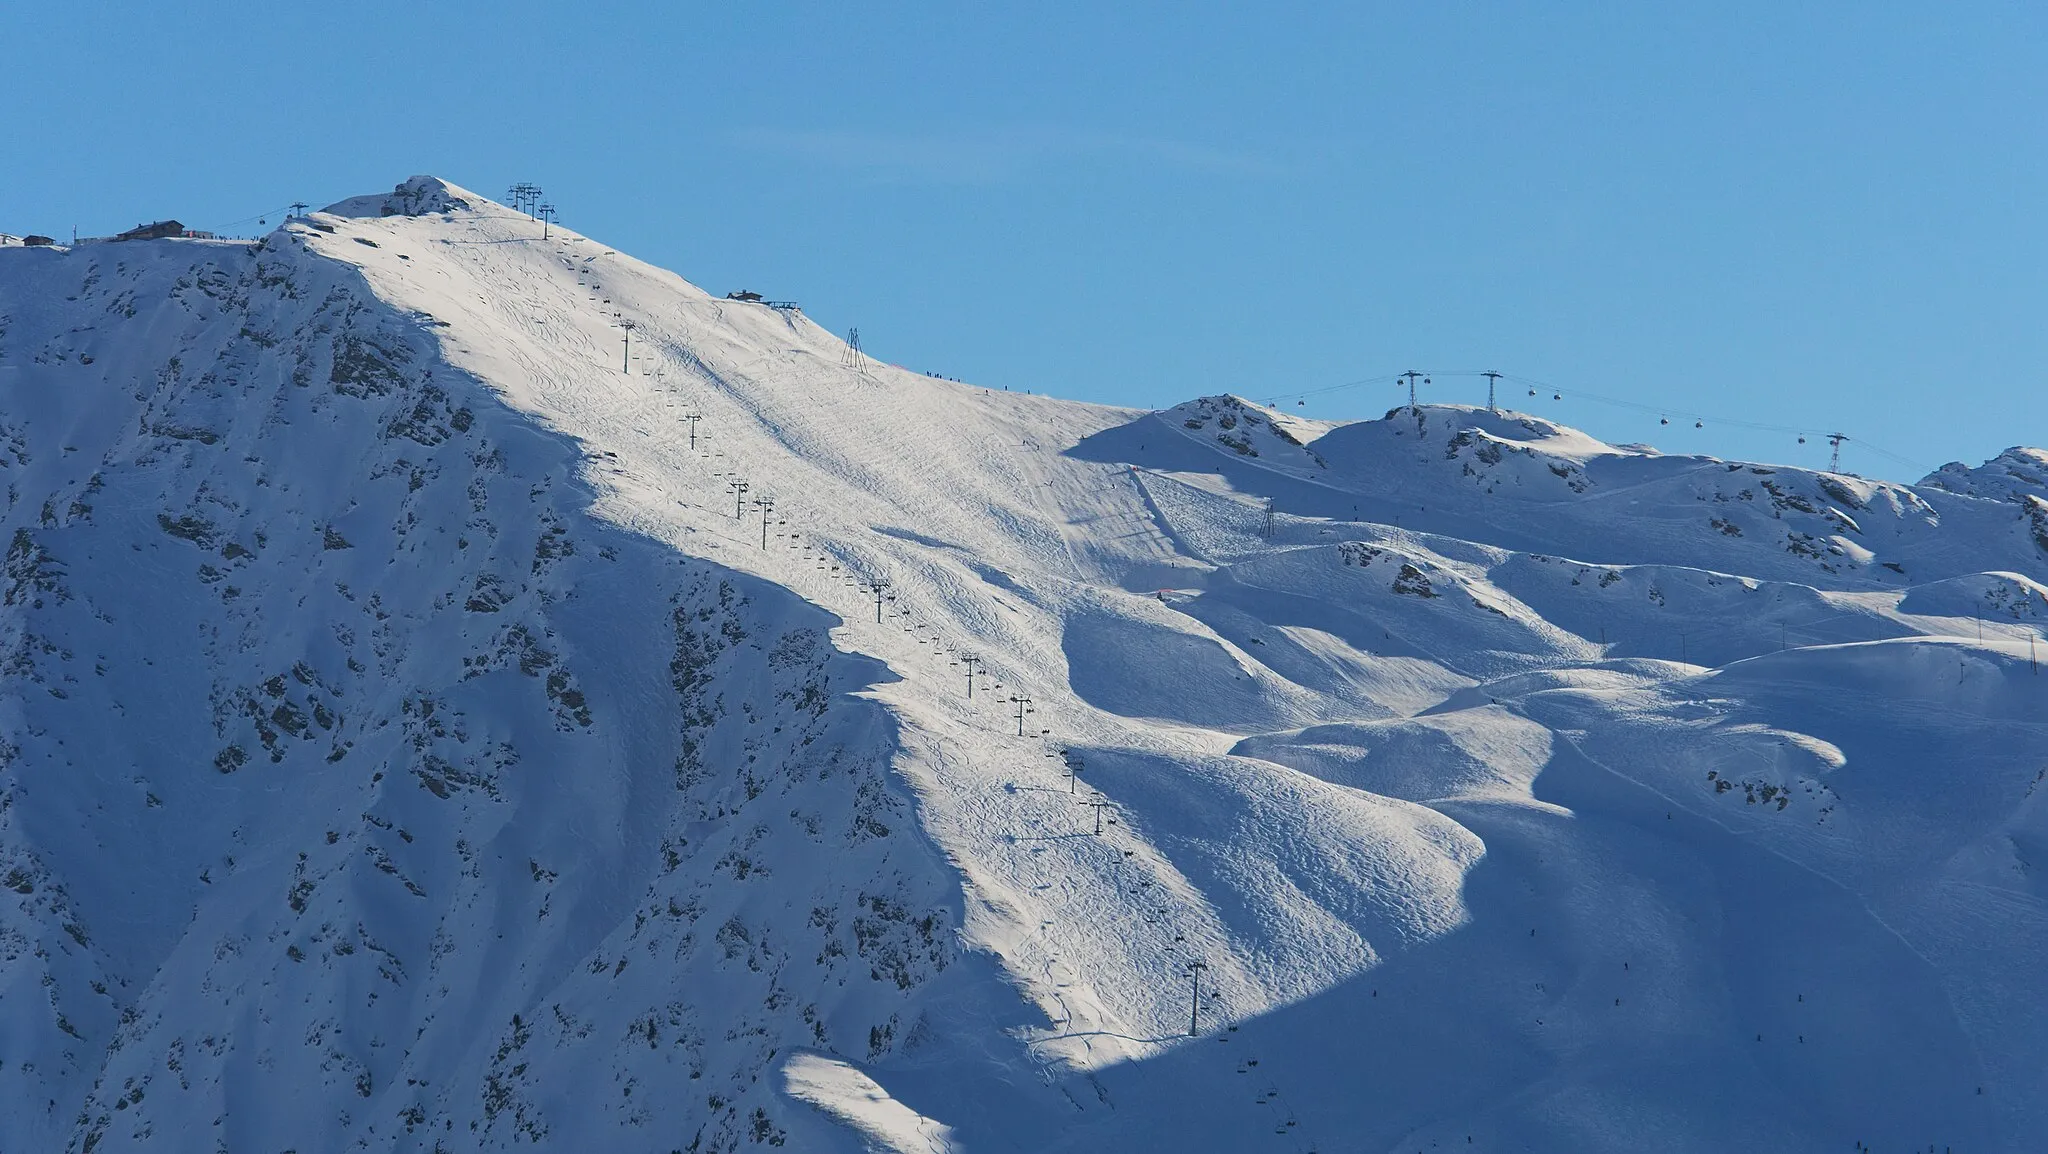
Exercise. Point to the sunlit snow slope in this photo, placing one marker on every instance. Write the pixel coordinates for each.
(433, 721)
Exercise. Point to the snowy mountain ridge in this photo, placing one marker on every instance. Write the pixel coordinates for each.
(435, 721)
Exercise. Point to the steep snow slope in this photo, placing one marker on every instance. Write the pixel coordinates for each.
(346, 751)
(434, 721)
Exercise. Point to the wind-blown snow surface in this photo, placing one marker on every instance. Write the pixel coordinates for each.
(407, 747)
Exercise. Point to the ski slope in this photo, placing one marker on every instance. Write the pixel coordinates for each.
(436, 721)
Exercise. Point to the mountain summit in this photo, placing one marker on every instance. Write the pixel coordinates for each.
(471, 690)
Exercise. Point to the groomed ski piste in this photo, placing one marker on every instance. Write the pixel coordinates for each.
(435, 722)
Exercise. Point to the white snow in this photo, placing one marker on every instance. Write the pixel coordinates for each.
(2012, 475)
(412, 742)
(855, 1099)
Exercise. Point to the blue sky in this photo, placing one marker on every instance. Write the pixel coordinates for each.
(1812, 215)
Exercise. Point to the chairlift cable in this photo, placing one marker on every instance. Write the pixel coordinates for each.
(1558, 392)
(247, 219)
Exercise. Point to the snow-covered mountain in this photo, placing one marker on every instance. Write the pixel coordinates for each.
(434, 721)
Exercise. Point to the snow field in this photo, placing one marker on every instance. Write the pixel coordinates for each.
(1515, 791)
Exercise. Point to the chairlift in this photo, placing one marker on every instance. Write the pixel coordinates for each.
(1663, 420)
(1532, 391)
(1802, 440)
(1699, 424)
(1557, 396)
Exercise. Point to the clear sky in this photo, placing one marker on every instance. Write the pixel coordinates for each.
(1814, 215)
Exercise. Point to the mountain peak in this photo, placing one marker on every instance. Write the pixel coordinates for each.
(464, 680)
(1245, 427)
(2017, 471)
(414, 196)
